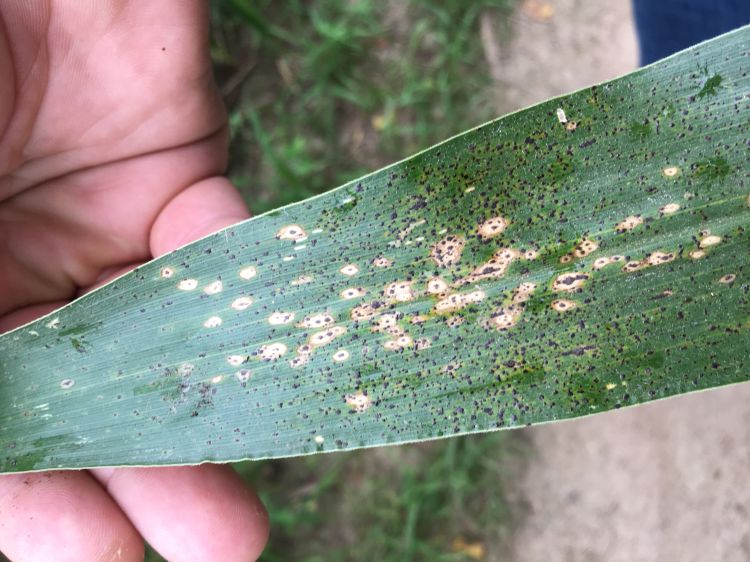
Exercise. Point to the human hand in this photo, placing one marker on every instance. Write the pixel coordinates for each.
(112, 141)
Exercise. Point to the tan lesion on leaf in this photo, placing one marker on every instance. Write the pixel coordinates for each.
(437, 286)
(399, 291)
(492, 227)
(507, 317)
(727, 279)
(353, 293)
(583, 249)
(604, 261)
(523, 293)
(669, 209)
(563, 305)
(359, 402)
(398, 343)
(457, 301)
(319, 320)
(279, 318)
(291, 232)
(447, 251)
(709, 240)
(653, 259)
(326, 336)
(629, 223)
(496, 266)
(367, 311)
(271, 351)
(382, 261)
(569, 282)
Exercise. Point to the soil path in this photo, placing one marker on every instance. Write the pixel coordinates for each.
(662, 482)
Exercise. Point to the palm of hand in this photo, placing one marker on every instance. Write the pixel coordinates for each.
(112, 139)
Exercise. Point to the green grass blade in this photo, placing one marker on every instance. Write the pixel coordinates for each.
(588, 253)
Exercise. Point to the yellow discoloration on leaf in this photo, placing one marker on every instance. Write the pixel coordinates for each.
(610, 386)
(671, 172)
(448, 251)
(492, 227)
(697, 254)
(571, 126)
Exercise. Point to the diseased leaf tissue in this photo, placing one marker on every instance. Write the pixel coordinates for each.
(588, 253)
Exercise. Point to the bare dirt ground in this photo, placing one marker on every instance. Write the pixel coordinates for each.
(661, 482)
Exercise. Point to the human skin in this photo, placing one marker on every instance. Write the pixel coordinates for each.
(113, 140)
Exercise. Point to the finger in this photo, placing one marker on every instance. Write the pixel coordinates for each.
(201, 209)
(27, 314)
(63, 516)
(204, 512)
(191, 512)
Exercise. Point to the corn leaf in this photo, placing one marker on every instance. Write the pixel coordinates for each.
(588, 253)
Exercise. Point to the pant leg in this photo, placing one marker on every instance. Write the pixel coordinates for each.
(667, 26)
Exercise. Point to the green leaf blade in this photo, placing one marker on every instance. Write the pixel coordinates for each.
(593, 253)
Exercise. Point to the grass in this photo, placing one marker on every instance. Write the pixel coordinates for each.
(320, 93)
(323, 92)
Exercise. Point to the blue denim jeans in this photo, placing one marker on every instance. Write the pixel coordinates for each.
(667, 26)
